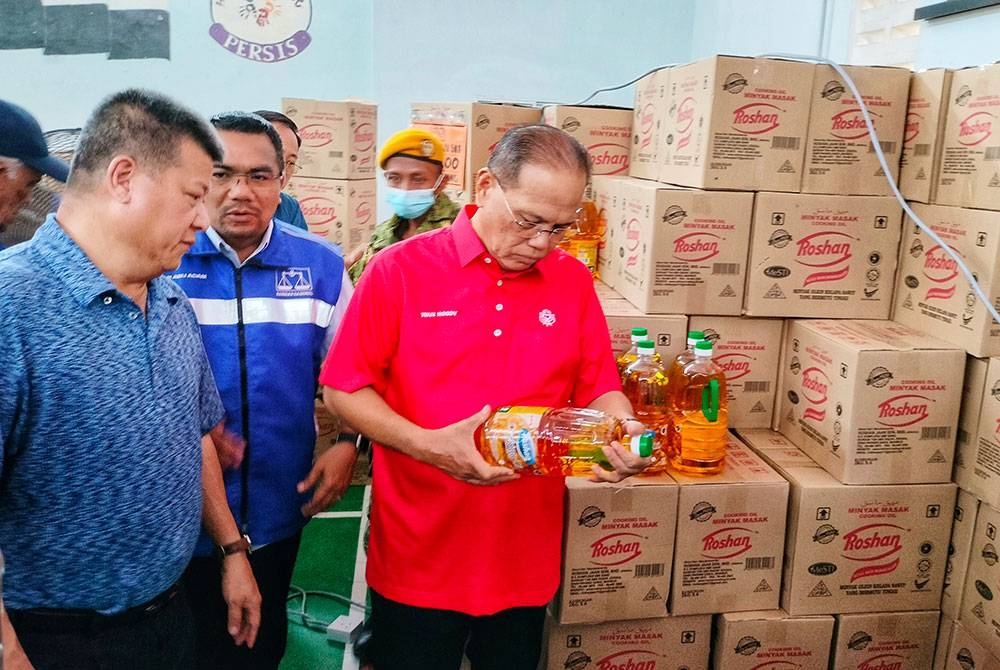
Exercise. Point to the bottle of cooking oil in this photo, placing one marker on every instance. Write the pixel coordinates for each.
(563, 441)
(645, 385)
(628, 357)
(683, 358)
(698, 415)
(584, 241)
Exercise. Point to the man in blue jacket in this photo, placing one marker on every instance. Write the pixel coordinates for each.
(268, 298)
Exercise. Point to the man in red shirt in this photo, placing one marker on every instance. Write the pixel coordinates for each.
(442, 328)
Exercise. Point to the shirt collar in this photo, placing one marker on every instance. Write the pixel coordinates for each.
(470, 247)
(223, 248)
(73, 267)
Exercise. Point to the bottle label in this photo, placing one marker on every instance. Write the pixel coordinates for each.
(521, 448)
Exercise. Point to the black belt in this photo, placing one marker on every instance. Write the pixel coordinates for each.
(76, 620)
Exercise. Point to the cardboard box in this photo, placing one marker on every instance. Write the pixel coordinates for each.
(338, 137)
(932, 292)
(965, 652)
(945, 628)
(980, 610)
(840, 157)
(674, 643)
(970, 173)
(617, 550)
(650, 117)
(980, 474)
(339, 210)
(959, 551)
(737, 123)
(897, 640)
(606, 132)
(606, 193)
(469, 131)
(771, 639)
(683, 251)
(668, 331)
(749, 351)
(857, 548)
(730, 531)
(969, 474)
(923, 139)
(822, 256)
(873, 402)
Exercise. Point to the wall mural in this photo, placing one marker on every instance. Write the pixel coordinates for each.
(122, 29)
(266, 31)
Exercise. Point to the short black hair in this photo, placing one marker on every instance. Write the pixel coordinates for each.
(536, 144)
(249, 123)
(277, 117)
(144, 124)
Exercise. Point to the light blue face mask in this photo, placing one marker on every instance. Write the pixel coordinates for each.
(412, 204)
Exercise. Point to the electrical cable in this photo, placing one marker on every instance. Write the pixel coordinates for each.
(302, 616)
(877, 146)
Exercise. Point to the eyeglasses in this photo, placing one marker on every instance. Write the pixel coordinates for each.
(259, 180)
(532, 230)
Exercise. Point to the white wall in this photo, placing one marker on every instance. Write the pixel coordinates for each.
(960, 40)
(61, 90)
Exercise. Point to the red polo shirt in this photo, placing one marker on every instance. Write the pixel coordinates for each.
(438, 329)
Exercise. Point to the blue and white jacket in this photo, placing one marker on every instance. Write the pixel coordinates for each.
(267, 324)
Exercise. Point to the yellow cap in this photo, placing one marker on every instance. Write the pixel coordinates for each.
(415, 143)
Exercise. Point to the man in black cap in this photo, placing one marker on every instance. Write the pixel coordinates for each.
(24, 158)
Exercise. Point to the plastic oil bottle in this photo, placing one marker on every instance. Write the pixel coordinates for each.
(584, 242)
(645, 384)
(563, 441)
(699, 415)
(628, 357)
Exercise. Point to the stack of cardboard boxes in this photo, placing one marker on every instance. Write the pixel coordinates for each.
(335, 181)
(805, 256)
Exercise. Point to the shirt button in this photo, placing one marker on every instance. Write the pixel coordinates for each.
(499, 307)
(499, 282)
(108, 300)
(497, 333)
(488, 260)
(134, 315)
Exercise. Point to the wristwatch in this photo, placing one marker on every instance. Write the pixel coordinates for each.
(241, 545)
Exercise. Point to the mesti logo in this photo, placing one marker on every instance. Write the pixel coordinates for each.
(266, 31)
(756, 118)
(975, 129)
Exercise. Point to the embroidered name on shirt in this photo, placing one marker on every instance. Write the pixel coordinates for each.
(188, 275)
(443, 312)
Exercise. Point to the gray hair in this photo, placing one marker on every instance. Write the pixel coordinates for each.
(536, 144)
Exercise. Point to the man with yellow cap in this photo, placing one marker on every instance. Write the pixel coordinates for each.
(412, 163)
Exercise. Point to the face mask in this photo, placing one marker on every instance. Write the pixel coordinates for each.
(412, 204)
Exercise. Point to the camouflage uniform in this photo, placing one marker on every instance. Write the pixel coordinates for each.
(390, 231)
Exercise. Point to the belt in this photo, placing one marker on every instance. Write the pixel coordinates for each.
(76, 620)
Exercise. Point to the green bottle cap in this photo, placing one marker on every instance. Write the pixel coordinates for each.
(696, 335)
(646, 347)
(703, 346)
(646, 443)
(640, 331)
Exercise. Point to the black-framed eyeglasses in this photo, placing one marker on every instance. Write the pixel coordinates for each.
(256, 179)
(528, 231)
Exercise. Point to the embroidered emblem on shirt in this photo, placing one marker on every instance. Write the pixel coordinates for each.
(293, 281)
(547, 318)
